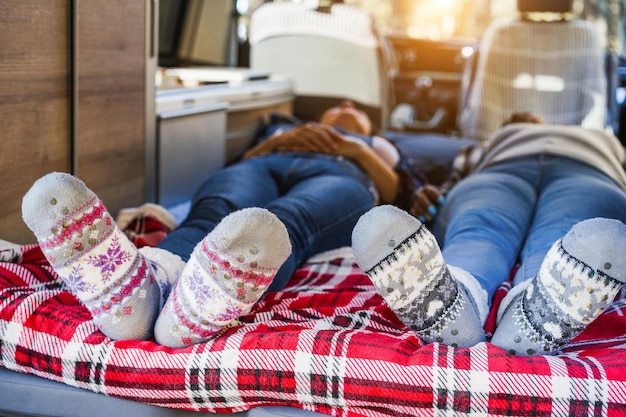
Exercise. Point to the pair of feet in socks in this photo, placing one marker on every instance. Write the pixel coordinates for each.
(579, 277)
(135, 294)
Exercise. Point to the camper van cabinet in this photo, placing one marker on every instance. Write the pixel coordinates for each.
(190, 145)
(72, 98)
(202, 127)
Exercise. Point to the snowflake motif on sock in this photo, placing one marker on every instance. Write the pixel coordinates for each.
(113, 258)
(201, 292)
(205, 294)
(75, 282)
(164, 285)
(232, 311)
(194, 281)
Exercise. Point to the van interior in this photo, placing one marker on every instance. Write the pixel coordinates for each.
(142, 99)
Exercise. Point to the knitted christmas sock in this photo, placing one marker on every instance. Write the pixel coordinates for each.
(97, 262)
(227, 273)
(404, 262)
(578, 279)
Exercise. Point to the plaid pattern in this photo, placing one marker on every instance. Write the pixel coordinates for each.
(146, 230)
(327, 343)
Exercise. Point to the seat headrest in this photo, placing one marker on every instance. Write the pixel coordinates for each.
(552, 6)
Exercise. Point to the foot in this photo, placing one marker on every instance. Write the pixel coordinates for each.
(578, 279)
(404, 262)
(93, 257)
(227, 273)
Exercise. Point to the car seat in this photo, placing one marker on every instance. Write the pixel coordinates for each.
(331, 54)
(554, 68)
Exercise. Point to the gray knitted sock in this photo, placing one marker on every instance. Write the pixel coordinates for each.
(94, 258)
(227, 273)
(405, 264)
(578, 279)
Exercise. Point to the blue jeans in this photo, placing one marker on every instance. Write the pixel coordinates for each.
(514, 211)
(319, 198)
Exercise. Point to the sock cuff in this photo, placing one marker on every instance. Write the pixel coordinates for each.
(475, 292)
(509, 297)
(167, 268)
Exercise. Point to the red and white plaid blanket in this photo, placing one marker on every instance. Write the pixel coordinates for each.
(327, 343)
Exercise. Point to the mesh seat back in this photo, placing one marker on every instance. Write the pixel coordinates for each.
(554, 69)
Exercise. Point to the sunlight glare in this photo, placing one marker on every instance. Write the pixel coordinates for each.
(436, 20)
(539, 82)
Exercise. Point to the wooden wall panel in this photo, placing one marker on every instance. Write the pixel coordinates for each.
(110, 122)
(34, 109)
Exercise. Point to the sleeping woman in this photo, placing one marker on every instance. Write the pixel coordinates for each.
(298, 192)
(548, 198)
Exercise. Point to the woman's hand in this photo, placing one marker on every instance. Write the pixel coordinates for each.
(322, 139)
(427, 200)
(309, 137)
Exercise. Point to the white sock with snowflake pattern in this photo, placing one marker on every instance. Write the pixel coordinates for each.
(94, 258)
(405, 264)
(578, 279)
(227, 273)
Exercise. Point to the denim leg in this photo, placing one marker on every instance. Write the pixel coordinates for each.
(571, 191)
(320, 210)
(482, 226)
(318, 198)
(249, 183)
